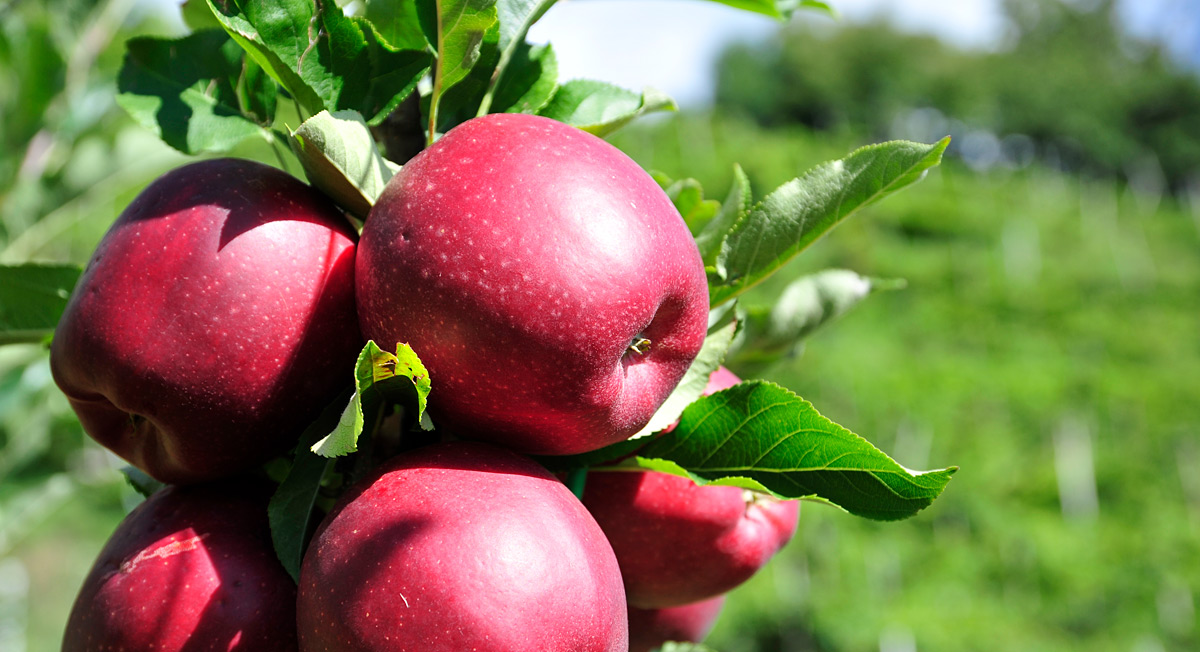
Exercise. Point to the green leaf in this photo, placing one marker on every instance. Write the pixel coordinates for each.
(602, 108)
(290, 511)
(805, 305)
(712, 353)
(781, 9)
(32, 299)
(141, 481)
(461, 103)
(325, 59)
(765, 7)
(197, 16)
(386, 77)
(761, 436)
(380, 378)
(797, 213)
(515, 19)
(788, 6)
(688, 197)
(529, 82)
(277, 36)
(673, 646)
(257, 92)
(397, 23)
(187, 91)
(339, 156)
(737, 204)
(459, 29)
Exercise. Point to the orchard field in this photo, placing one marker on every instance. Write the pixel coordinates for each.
(1046, 340)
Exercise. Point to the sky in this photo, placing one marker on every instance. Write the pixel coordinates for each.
(673, 45)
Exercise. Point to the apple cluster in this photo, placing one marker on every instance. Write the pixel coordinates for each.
(556, 298)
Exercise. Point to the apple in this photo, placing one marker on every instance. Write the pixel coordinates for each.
(689, 623)
(720, 379)
(460, 546)
(547, 282)
(191, 568)
(678, 542)
(214, 321)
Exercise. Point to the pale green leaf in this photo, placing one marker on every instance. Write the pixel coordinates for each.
(773, 333)
(797, 213)
(602, 108)
(339, 156)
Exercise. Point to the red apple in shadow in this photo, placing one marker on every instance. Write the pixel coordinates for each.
(460, 546)
(547, 282)
(214, 321)
(191, 568)
(689, 623)
(680, 543)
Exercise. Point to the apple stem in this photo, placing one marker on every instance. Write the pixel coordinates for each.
(640, 345)
(576, 480)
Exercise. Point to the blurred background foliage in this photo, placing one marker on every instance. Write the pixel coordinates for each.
(1068, 88)
(1048, 341)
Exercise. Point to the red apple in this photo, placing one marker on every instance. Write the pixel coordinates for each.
(527, 262)
(720, 379)
(678, 542)
(214, 321)
(690, 623)
(460, 546)
(192, 568)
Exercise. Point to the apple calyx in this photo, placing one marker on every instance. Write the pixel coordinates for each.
(640, 345)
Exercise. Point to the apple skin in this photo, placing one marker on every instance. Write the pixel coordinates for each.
(191, 568)
(678, 542)
(460, 546)
(520, 257)
(689, 623)
(215, 319)
(720, 379)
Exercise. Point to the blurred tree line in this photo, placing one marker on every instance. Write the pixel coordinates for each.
(1069, 85)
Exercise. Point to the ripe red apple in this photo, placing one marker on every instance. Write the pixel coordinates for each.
(191, 568)
(547, 282)
(460, 546)
(214, 321)
(690, 623)
(678, 542)
(720, 379)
